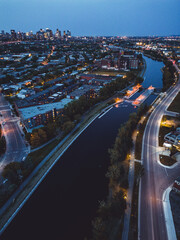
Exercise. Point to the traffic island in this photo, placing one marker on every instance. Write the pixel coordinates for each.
(167, 160)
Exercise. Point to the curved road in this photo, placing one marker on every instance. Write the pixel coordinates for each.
(16, 149)
(156, 178)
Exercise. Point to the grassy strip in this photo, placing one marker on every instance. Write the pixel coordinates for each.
(133, 230)
(139, 138)
(40, 154)
(175, 105)
(110, 73)
(166, 160)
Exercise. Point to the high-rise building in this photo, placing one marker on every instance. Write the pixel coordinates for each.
(13, 34)
(49, 33)
(58, 33)
(40, 34)
(19, 36)
(68, 33)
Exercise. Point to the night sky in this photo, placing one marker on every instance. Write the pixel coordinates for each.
(93, 17)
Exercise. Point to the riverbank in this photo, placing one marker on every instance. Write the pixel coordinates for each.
(47, 165)
(155, 57)
(32, 182)
(25, 190)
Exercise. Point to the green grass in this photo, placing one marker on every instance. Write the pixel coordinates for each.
(40, 154)
(110, 73)
(175, 105)
(138, 144)
(133, 232)
(166, 160)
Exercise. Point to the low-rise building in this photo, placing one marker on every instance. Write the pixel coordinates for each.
(36, 116)
(88, 91)
(174, 138)
(98, 82)
(39, 98)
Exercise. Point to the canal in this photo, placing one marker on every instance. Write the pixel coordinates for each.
(63, 206)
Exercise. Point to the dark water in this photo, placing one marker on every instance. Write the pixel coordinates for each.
(64, 204)
(153, 74)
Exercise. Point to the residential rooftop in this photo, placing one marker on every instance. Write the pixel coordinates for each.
(30, 112)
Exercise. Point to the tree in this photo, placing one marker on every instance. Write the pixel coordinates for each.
(68, 126)
(42, 134)
(35, 139)
(99, 229)
(114, 172)
(51, 130)
(139, 80)
(103, 210)
(12, 172)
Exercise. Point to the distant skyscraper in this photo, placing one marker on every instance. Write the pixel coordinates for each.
(13, 34)
(40, 34)
(49, 33)
(58, 33)
(68, 33)
(19, 36)
(64, 33)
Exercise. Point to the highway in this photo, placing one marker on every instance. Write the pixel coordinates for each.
(16, 149)
(156, 178)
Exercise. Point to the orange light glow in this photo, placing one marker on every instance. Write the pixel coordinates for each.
(133, 90)
(151, 88)
(118, 100)
(143, 96)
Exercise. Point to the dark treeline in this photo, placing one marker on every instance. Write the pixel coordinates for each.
(168, 75)
(154, 55)
(42, 135)
(73, 112)
(110, 213)
(83, 104)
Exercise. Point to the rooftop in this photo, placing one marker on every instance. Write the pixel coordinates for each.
(83, 90)
(30, 112)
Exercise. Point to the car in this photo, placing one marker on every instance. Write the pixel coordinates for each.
(5, 181)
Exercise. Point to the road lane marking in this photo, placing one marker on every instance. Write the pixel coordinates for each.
(155, 111)
(105, 112)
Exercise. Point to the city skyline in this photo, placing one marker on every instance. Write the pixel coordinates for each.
(100, 18)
